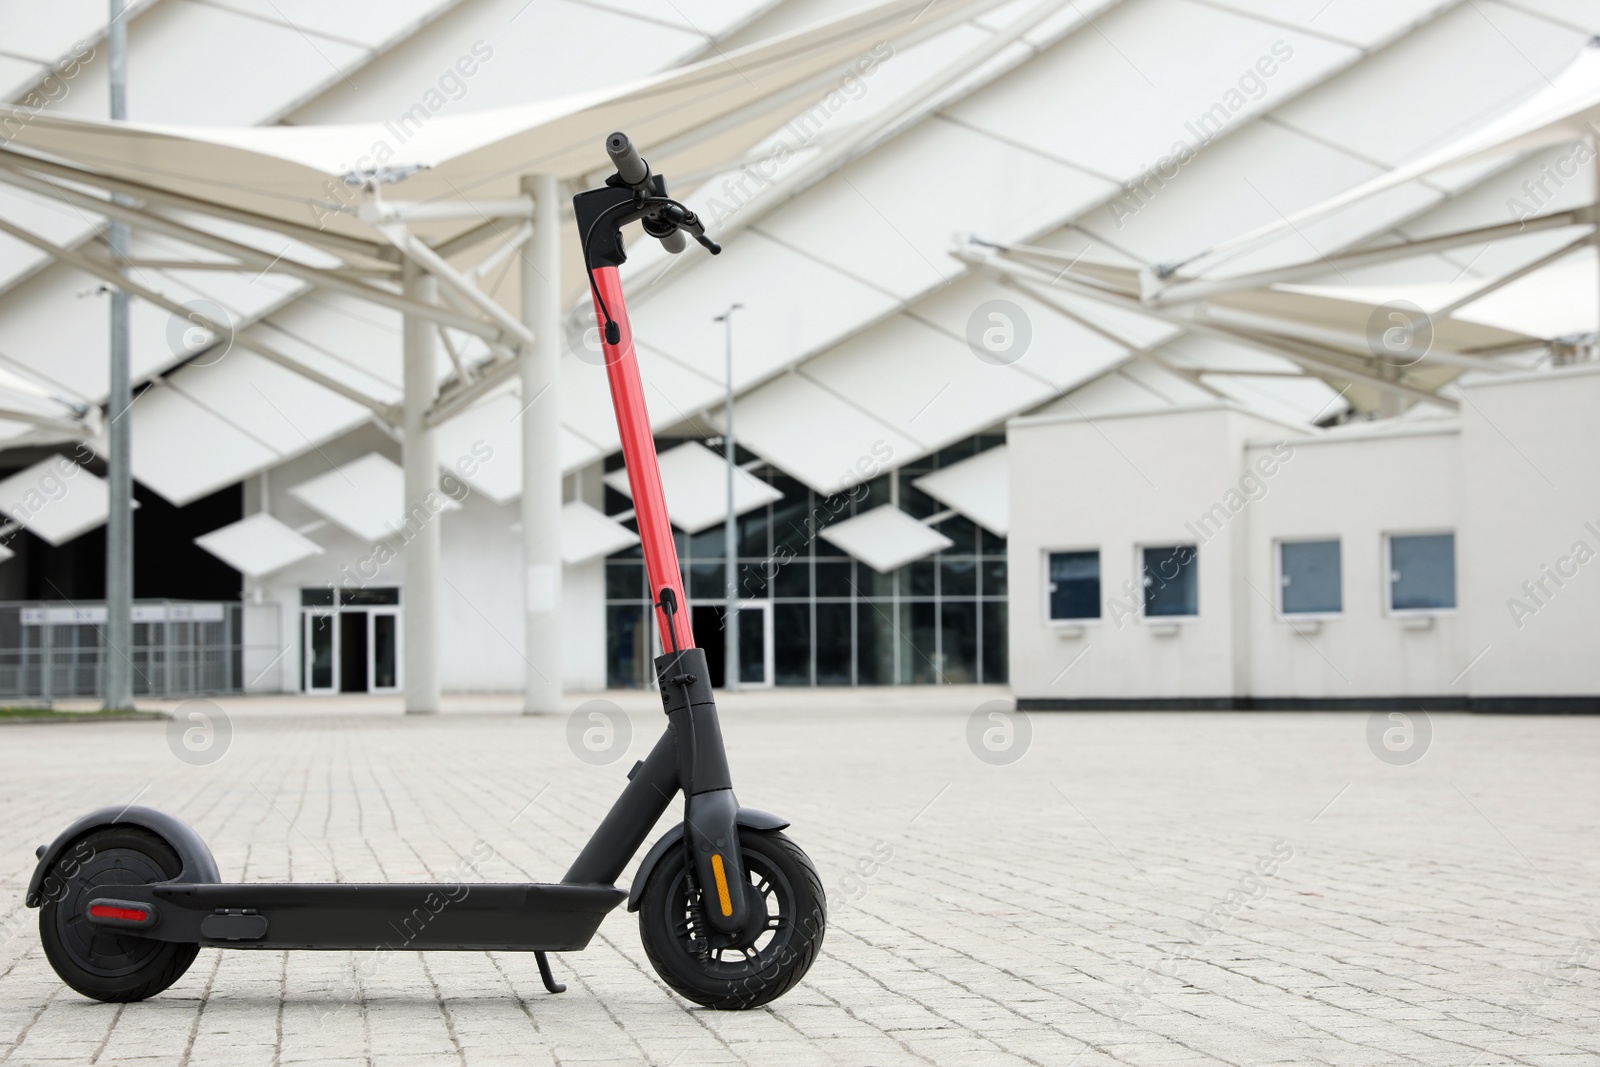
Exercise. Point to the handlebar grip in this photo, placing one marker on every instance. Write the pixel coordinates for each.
(626, 159)
(674, 242)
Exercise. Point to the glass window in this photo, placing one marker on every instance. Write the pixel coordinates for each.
(791, 643)
(320, 597)
(1171, 585)
(1422, 572)
(359, 597)
(958, 577)
(833, 579)
(625, 581)
(708, 581)
(1074, 585)
(709, 543)
(753, 581)
(793, 579)
(996, 655)
(875, 641)
(958, 642)
(752, 541)
(1310, 576)
(834, 644)
(917, 620)
(994, 577)
(628, 646)
(963, 533)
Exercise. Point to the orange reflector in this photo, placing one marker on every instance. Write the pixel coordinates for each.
(106, 911)
(722, 884)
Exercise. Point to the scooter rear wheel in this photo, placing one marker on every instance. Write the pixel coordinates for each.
(96, 961)
(789, 916)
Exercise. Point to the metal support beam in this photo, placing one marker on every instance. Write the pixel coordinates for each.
(1338, 365)
(423, 503)
(375, 211)
(1183, 290)
(93, 265)
(417, 251)
(117, 665)
(256, 260)
(541, 448)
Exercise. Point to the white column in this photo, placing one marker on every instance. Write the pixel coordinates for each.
(541, 444)
(421, 523)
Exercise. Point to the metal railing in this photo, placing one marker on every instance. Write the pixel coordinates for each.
(51, 650)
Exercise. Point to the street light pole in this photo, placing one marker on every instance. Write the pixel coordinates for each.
(117, 667)
(730, 530)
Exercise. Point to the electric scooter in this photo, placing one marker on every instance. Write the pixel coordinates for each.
(731, 912)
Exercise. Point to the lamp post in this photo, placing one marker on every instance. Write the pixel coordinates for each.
(117, 669)
(730, 530)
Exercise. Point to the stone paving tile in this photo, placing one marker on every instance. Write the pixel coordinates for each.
(1140, 889)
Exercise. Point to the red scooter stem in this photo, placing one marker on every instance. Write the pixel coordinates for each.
(639, 453)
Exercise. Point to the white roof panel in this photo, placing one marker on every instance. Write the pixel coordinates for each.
(55, 499)
(586, 533)
(1452, 74)
(926, 384)
(793, 306)
(257, 545)
(1360, 24)
(1116, 99)
(184, 451)
(695, 481)
(817, 436)
(979, 488)
(483, 447)
(276, 406)
(365, 496)
(895, 234)
(885, 538)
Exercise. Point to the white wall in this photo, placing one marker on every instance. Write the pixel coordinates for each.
(1531, 452)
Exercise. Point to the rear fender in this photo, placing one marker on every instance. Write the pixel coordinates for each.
(198, 864)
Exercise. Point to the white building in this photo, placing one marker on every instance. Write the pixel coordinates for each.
(960, 237)
(1432, 562)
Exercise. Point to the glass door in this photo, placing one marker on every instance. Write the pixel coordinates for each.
(383, 650)
(755, 644)
(320, 641)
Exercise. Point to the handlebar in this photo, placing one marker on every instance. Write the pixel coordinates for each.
(630, 167)
(635, 173)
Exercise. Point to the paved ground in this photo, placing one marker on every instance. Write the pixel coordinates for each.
(1139, 888)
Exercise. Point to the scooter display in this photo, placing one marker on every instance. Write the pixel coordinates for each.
(731, 911)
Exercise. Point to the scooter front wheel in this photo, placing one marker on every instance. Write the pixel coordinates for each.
(762, 962)
(95, 960)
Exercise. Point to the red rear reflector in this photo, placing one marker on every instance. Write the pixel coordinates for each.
(106, 911)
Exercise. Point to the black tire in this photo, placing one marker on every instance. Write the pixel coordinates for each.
(734, 977)
(98, 962)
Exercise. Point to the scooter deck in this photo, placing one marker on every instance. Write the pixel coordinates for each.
(467, 916)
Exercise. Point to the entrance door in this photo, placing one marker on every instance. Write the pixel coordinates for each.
(321, 641)
(755, 642)
(353, 652)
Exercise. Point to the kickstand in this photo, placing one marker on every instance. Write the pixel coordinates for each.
(549, 979)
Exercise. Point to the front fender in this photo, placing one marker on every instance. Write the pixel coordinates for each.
(198, 864)
(749, 818)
